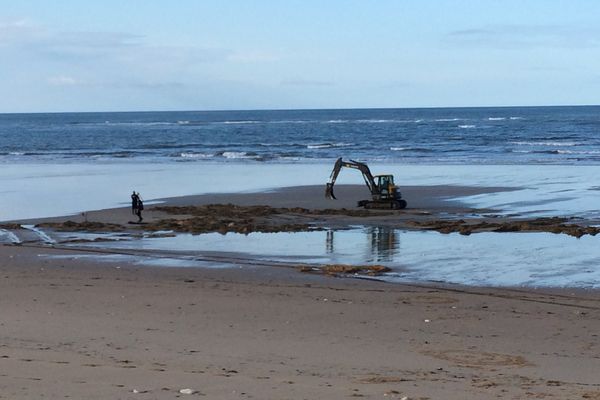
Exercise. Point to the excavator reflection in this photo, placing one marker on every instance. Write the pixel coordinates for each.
(384, 243)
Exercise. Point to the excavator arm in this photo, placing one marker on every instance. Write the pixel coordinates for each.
(363, 168)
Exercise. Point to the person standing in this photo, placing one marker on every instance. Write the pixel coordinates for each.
(139, 208)
(134, 202)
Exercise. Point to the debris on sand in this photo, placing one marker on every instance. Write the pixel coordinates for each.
(71, 226)
(551, 225)
(345, 269)
(224, 218)
(197, 225)
(10, 227)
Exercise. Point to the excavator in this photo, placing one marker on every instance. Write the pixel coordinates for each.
(385, 194)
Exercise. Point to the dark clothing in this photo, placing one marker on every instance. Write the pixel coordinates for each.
(139, 208)
(137, 205)
(134, 203)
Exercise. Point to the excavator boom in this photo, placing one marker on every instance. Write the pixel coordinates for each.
(363, 168)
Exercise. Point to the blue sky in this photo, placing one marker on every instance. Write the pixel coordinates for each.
(208, 55)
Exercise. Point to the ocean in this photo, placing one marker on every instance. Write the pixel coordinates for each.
(62, 164)
(467, 136)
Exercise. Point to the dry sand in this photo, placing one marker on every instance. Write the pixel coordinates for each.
(74, 328)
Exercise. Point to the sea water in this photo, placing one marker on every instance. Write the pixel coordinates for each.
(63, 163)
(482, 259)
(505, 135)
(57, 164)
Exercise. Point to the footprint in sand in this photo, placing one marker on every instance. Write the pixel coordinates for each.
(427, 299)
(475, 359)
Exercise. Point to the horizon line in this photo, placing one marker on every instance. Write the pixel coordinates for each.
(296, 109)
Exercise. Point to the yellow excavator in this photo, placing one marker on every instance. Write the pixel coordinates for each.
(385, 195)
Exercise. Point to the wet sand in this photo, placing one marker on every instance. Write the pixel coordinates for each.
(437, 199)
(305, 208)
(74, 327)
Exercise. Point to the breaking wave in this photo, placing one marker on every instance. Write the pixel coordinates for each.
(560, 144)
(195, 155)
(327, 145)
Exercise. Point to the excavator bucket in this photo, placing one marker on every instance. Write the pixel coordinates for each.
(334, 174)
(329, 191)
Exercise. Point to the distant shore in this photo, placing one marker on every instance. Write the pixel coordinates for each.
(301, 208)
(436, 199)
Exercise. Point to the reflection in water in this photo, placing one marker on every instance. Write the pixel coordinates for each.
(384, 243)
(329, 242)
(488, 258)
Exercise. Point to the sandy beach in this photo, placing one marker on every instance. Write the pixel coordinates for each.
(75, 327)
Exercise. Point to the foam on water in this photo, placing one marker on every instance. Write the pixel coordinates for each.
(10, 236)
(40, 233)
(547, 143)
(327, 145)
(195, 155)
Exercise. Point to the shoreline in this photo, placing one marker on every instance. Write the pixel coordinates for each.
(393, 249)
(34, 190)
(440, 198)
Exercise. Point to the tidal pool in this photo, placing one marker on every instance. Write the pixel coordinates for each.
(485, 259)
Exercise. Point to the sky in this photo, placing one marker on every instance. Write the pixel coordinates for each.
(151, 55)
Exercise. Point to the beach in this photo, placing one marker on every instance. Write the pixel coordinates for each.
(244, 281)
(80, 329)
(79, 323)
(278, 201)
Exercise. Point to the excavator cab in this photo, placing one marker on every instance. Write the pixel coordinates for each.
(385, 184)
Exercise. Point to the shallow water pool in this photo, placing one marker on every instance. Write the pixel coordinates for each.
(486, 259)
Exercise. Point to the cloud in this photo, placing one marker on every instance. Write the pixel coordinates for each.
(550, 69)
(14, 25)
(152, 85)
(113, 60)
(252, 57)
(306, 82)
(394, 85)
(108, 47)
(63, 80)
(18, 31)
(520, 36)
(88, 43)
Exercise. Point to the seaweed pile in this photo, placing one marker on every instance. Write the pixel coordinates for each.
(224, 218)
(552, 225)
(346, 269)
(87, 226)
